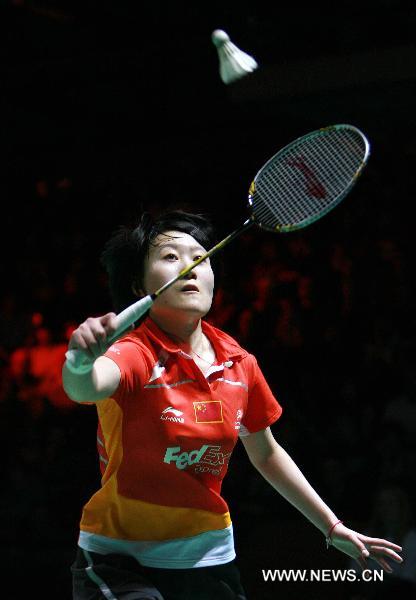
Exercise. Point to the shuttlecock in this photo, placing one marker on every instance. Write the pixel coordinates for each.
(234, 63)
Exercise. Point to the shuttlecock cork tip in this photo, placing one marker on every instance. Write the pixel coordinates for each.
(219, 37)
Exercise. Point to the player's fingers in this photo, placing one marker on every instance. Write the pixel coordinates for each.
(379, 542)
(383, 564)
(364, 553)
(377, 550)
(79, 342)
(92, 335)
(109, 323)
(89, 338)
(362, 562)
(100, 336)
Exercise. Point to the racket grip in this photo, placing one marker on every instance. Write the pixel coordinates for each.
(79, 362)
(131, 314)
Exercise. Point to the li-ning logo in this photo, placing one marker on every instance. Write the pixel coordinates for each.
(238, 417)
(114, 349)
(172, 414)
(314, 186)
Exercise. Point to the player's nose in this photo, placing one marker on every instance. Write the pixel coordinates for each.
(191, 275)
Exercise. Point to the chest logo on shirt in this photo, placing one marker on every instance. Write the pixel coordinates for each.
(208, 412)
(172, 414)
(208, 459)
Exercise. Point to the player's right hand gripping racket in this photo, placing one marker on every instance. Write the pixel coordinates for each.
(297, 186)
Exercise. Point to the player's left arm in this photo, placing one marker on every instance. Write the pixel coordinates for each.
(278, 468)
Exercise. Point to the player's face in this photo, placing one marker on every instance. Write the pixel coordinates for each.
(171, 252)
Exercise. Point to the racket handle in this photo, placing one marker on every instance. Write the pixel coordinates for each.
(131, 314)
(79, 362)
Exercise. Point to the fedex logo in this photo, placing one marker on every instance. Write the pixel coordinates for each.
(183, 459)
(210, 455)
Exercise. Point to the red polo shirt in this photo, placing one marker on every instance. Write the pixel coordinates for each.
(165, 439)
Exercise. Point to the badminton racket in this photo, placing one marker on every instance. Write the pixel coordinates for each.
(296, 187)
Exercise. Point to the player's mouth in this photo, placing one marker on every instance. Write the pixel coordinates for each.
(190, 288)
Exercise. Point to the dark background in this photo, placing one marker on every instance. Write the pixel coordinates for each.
(114, 107)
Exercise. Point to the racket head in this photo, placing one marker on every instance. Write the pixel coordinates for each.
(308, 178)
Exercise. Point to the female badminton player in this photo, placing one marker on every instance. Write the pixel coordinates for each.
(173, 396)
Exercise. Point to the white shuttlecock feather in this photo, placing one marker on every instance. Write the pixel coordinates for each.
(234, 63)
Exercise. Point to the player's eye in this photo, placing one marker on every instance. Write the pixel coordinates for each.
(205, 262)
(170, 256)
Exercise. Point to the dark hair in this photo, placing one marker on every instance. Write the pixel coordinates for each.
(125, 252)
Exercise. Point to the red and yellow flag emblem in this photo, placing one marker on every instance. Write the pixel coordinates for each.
(208, 412)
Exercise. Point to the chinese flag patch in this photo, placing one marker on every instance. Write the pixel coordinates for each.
(208, 412)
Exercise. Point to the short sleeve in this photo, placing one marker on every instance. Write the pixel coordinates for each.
(262, 407)
(130, 358)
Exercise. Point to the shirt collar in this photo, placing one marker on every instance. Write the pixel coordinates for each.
(226, 348)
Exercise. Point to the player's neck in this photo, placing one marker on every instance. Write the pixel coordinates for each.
(189, 337)
(187, 333)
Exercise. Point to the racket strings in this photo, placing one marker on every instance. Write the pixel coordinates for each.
(310, 167)
(308, 175)
(307, 179)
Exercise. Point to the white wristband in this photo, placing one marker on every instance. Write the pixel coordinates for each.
(78, 367)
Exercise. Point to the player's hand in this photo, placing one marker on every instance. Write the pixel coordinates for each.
(92, 335)
(362, 547)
